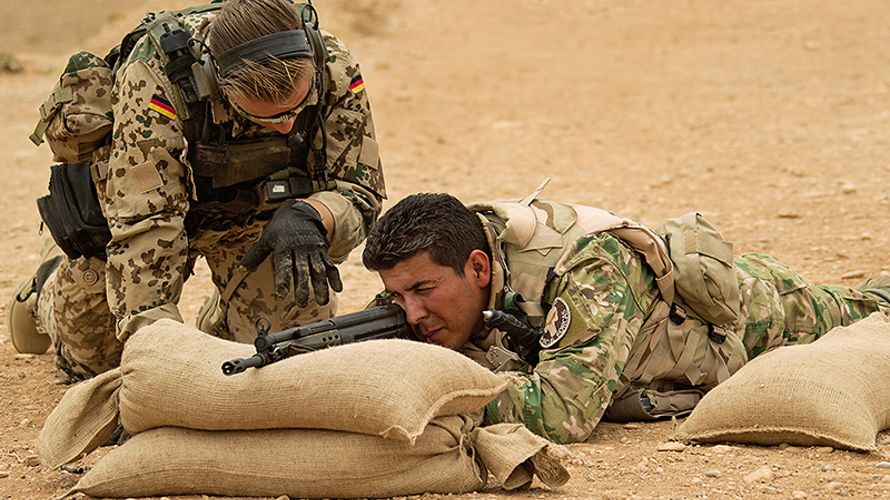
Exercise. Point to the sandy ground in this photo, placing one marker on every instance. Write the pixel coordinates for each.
(768, 116)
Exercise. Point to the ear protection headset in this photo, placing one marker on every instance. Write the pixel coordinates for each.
(304, 42)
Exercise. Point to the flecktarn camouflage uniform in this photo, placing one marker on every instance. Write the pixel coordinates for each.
(89, 307)
(608, 330)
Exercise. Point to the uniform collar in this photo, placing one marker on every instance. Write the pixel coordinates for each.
(499, 276)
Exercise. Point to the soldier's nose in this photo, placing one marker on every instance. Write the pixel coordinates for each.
(414, 312)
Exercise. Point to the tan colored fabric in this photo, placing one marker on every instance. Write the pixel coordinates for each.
(391, 388)
(704, 276)
(514, 456)
(537, 232)
(834, 392)
(76, 114)
(294, 462)
(84, 418)
(449, 457)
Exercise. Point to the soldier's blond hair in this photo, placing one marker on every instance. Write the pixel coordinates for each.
(240, 21)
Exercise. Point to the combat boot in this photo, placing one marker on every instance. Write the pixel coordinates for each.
(878, 288)
(22, 311)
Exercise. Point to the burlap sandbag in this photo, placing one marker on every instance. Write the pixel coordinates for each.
(84, 419)
(833, 392)
(504, 450)
(391, 388)
(447, 458)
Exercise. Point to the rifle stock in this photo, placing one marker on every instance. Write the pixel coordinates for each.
(386, 321)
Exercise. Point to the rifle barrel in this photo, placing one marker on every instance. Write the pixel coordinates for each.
(238, 365)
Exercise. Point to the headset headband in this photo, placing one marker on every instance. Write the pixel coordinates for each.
(284, 44)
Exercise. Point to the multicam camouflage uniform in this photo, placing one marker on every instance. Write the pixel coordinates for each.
(608, 322)
(89, 307)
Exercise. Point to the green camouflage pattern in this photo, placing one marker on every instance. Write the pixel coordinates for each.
(620, 336)
(83, 60)
(610, 294)
(145, 188)
(786, 308)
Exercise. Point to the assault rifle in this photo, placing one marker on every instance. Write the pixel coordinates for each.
(383, 321)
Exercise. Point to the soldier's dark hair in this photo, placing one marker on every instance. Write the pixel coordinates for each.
(434, 222)
(240, 21)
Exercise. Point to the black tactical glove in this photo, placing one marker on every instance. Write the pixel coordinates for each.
(296, 238)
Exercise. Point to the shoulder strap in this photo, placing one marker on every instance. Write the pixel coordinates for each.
(118, 54)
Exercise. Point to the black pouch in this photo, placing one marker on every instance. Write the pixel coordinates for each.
(72, 213)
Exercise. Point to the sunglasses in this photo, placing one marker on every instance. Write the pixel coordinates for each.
(280, 118)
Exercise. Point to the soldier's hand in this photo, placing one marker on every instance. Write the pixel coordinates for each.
(296, 239)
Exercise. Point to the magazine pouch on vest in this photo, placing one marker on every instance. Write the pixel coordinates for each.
(71, 212)
(704, 276)
(76, 119)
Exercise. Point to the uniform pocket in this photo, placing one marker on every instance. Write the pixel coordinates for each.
(370, 154)
(692, 353)
(148, 188)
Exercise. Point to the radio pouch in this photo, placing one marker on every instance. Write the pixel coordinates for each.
(72, 213)
(704, 275)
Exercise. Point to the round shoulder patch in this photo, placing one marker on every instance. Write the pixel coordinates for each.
(557, 323)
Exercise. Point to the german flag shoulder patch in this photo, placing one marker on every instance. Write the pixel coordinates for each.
(357, 84)
(162, 106)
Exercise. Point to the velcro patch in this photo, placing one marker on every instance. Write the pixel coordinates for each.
(162, 106)
(357, 84)
(370, 154)
(559, 317)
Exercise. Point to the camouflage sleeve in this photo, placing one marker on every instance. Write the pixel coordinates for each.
(144, 195)
(589, 332)
(353, 159)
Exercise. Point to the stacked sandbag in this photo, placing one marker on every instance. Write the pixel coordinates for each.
(379, 418)
(390, 388)
(86, 417)
(317, 464)
(833, 392)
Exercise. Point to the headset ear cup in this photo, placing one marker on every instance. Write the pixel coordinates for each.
(309, 18)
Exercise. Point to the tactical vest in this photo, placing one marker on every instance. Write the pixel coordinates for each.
(231, 178)
(528, 239)
(533, 238)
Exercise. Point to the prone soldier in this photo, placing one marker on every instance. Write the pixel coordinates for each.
(624, 331)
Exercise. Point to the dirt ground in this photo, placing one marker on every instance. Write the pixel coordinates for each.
(771, 117)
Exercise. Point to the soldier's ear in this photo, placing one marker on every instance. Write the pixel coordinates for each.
(479, 265)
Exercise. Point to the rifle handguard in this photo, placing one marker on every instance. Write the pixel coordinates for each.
(380, 322)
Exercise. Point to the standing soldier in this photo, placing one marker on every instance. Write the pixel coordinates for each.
(240, 130)
(588, 315)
